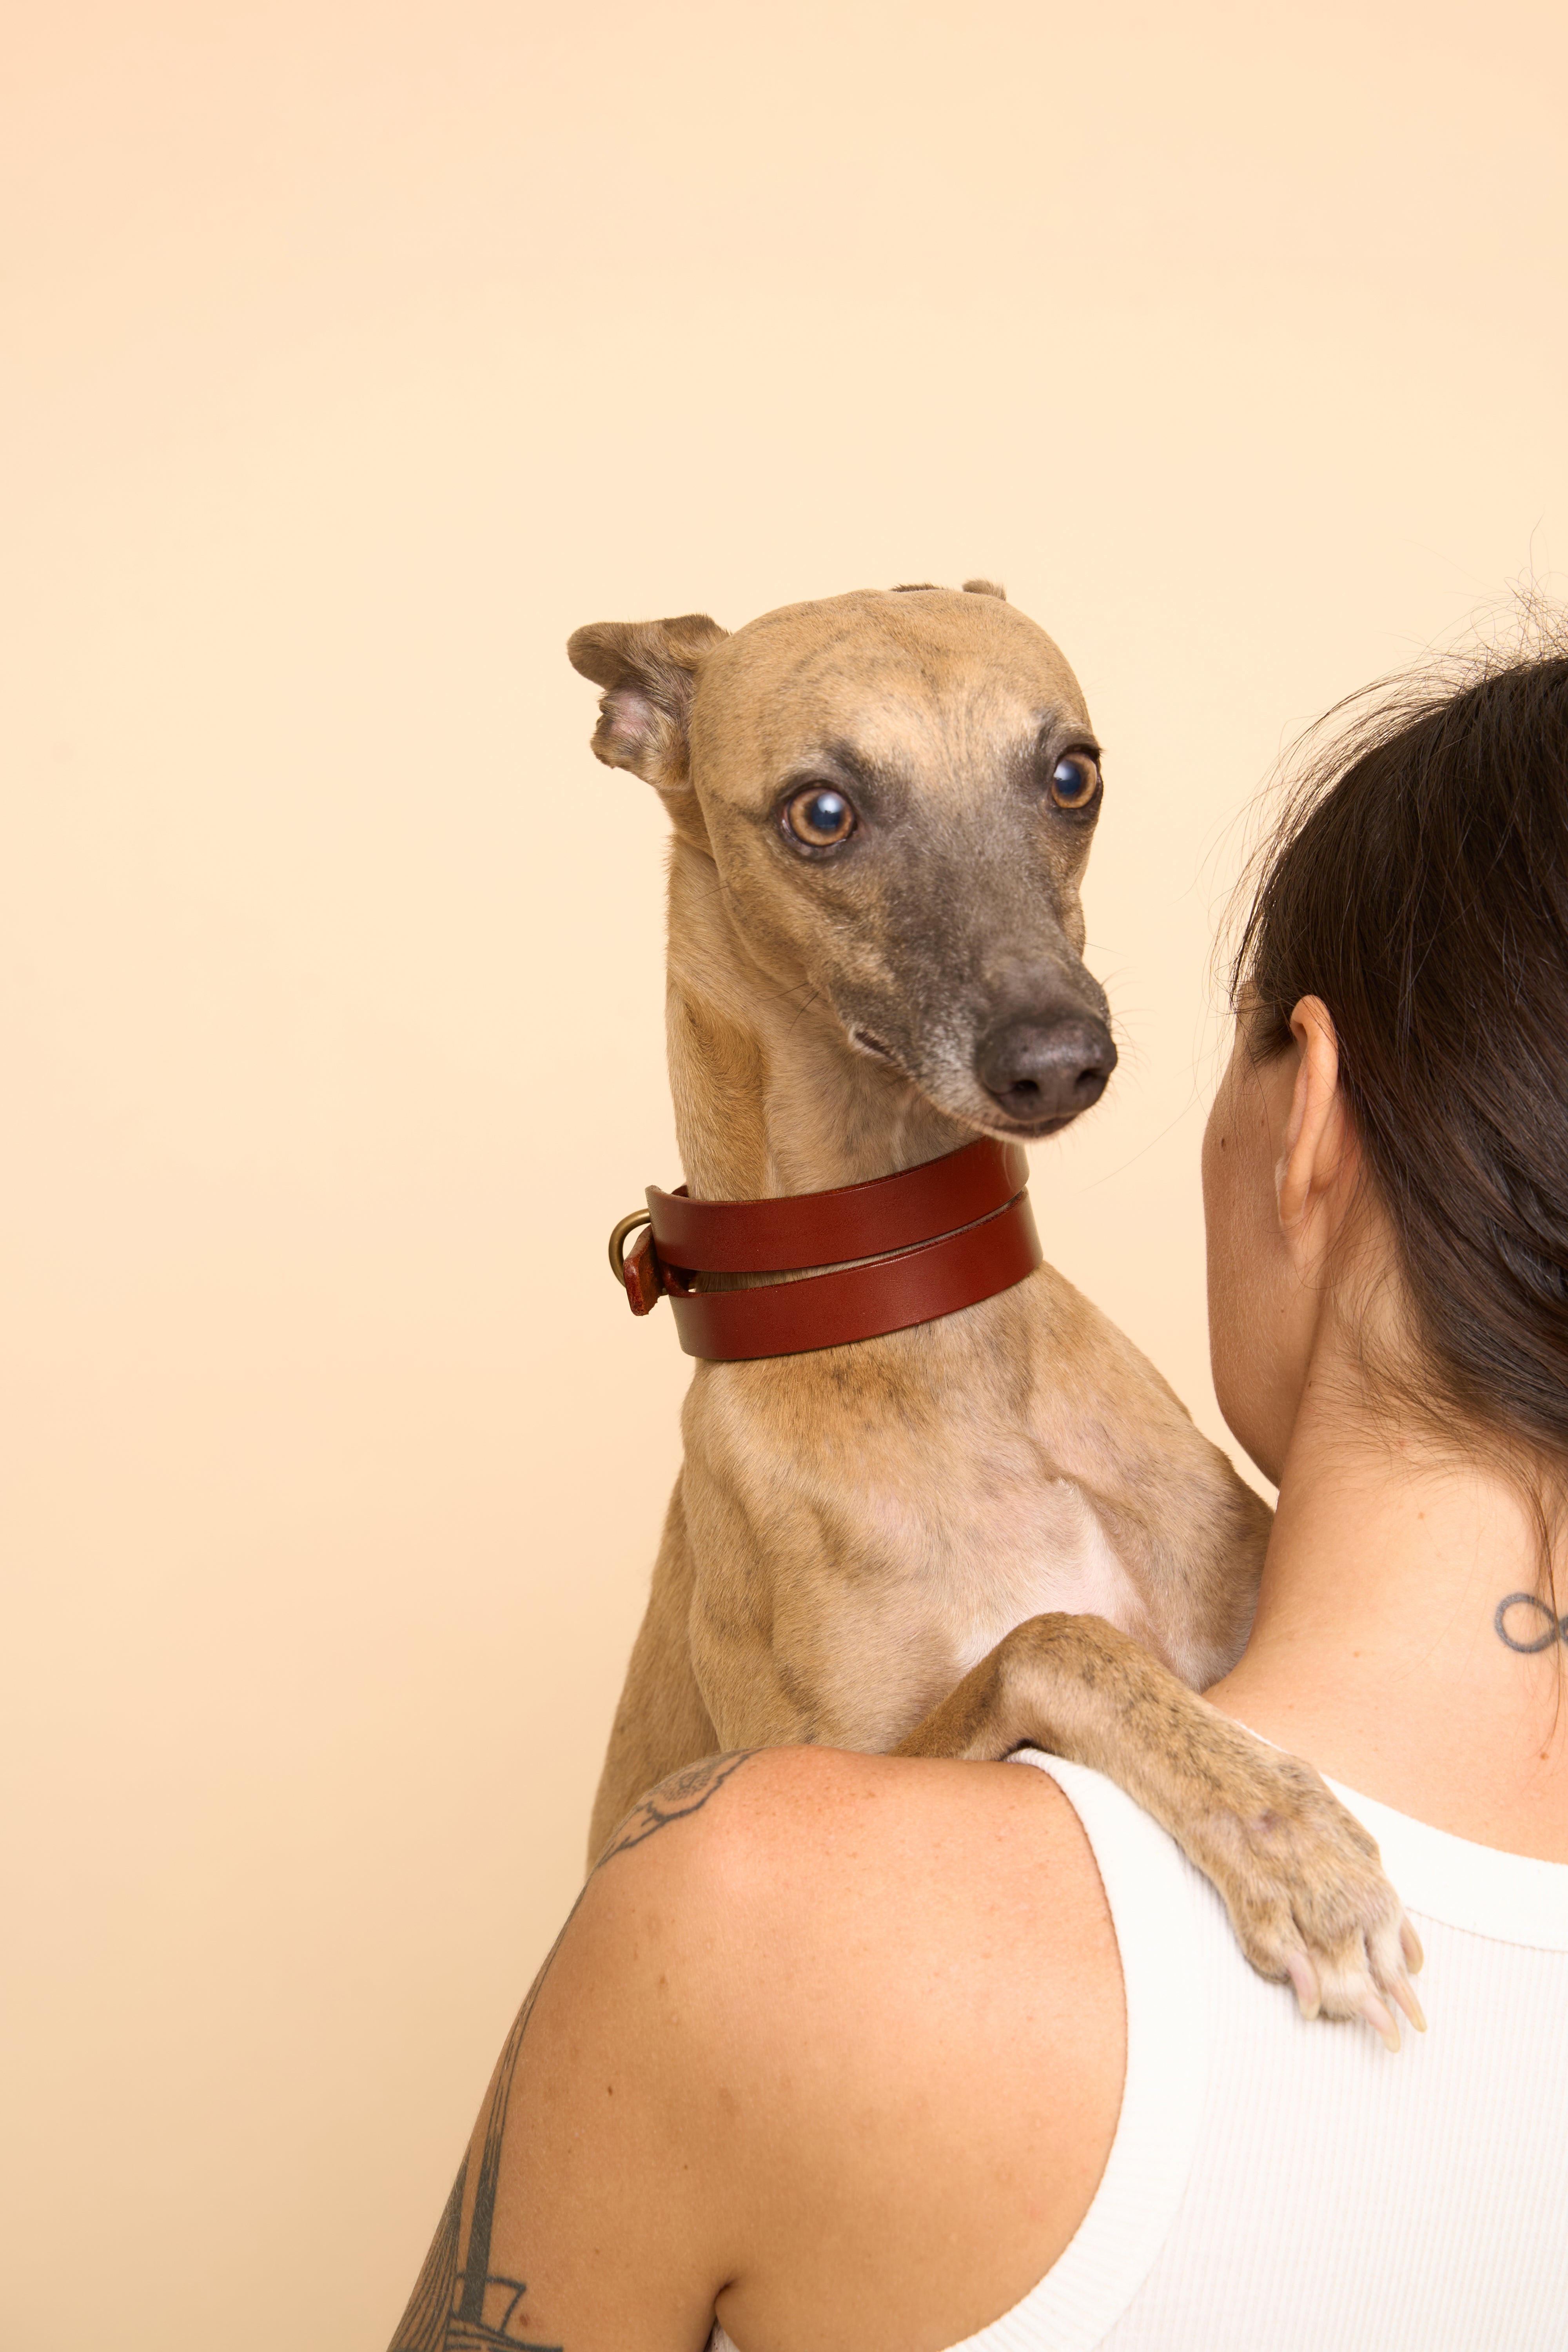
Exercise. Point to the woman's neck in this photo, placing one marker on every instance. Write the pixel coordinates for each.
(1376, 1653)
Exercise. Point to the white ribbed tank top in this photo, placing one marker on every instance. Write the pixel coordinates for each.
(1280, 2186)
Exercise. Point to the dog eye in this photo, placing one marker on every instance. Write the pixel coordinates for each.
(1075, 780)
(819, 817)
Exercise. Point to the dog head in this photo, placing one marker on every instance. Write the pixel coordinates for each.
(898, 790)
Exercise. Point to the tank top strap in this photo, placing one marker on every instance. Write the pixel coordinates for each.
(1149, 1890)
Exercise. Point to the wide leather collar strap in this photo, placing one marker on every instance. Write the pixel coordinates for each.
(937, 1238)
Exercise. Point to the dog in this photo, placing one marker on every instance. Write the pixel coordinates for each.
(1000, 1526)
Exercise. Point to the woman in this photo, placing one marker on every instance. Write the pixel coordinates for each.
(875, 2057)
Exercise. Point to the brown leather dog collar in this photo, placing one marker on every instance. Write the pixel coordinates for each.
(939, 1237)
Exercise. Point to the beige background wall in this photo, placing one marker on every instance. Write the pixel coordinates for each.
(355, 355)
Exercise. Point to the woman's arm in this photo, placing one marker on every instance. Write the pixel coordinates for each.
(831, 2042)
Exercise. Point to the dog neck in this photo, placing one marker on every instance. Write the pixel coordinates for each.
(769, 1096)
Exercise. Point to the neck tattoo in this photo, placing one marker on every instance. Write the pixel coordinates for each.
(1526, 1623)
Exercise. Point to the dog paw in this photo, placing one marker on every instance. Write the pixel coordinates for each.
(1304, 1885)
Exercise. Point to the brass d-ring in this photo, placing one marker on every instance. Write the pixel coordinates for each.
(617, 1240)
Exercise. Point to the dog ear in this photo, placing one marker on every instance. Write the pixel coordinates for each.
(648, 671)
(985, 588)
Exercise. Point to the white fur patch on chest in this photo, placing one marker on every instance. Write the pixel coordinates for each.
(1062, 1560)
(993, 1546)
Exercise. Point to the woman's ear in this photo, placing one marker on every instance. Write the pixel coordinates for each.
(1317, 1135)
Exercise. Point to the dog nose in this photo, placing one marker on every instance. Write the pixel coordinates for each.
(1039, 1070)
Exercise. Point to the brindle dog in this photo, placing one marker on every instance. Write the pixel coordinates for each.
(1002, 1526)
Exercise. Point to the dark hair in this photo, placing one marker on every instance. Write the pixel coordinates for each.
(1418, 885)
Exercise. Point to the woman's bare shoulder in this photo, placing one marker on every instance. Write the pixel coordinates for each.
(816, 1865)
(880, 2005)
(768, 1832)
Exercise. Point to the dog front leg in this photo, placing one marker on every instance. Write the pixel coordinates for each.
(661, 1723)
(1300, 1876)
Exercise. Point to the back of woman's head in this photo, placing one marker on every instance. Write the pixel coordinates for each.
(1418, 885)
